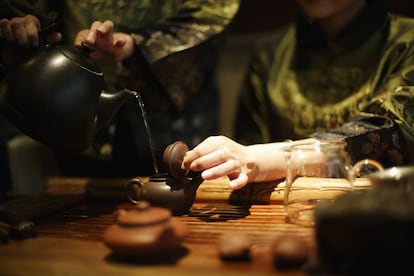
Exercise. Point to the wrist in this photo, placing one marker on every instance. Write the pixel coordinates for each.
(269, 162)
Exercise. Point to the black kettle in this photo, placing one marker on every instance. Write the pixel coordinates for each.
(56, 96)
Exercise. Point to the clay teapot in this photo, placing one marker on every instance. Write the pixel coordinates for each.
(56, 95)
(175, 190)
(144, 232)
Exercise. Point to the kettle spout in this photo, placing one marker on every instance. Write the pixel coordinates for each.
(109, 103)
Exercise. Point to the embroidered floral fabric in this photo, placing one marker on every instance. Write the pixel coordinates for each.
(299, 82)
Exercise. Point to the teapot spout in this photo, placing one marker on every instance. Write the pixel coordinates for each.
(109, 103)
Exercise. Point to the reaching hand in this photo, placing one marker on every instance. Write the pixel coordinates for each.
(219, 156)
(107, 43)
(24, 31)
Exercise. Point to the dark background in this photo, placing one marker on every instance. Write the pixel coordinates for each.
(265, 15)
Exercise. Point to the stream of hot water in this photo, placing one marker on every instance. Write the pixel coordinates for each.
(150, 140)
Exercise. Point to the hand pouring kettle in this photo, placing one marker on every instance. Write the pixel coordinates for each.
(57, 97)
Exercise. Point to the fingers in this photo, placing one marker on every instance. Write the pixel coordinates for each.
(238, 182)
(30, 32)
(227, 167)
(80, 37)
(107, 27)
(91, 35)
(203, 156)
(21, 30)
(209, 145)
(208, 160)
(119, 42)
(100, 30)
(5, 30)
(218, 156)
(107, 43)
(230, 168)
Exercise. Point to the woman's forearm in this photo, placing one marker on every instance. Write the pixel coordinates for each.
(269, 160)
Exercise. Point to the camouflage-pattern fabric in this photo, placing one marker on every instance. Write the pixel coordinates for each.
(173, 68)
(300, 83)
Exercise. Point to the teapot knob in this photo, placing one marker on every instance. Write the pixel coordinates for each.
(173, 157)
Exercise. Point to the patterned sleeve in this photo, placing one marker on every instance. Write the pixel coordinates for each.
(394, 81)
(193, 22)
(182, 50)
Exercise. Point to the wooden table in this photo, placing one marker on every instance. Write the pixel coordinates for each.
(69, 240)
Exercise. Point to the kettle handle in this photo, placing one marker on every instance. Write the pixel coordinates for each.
(43, 33)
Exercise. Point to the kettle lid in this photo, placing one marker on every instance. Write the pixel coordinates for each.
(80, 56)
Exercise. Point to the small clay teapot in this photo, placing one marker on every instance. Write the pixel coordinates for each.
(175, 190)
(61, 100)
(144, 232)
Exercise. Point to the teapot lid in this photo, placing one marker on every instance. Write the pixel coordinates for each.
(173, 157)
(143, 215)
(81, 57)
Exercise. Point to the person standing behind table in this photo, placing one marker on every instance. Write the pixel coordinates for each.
(338, 60)
(166, 50)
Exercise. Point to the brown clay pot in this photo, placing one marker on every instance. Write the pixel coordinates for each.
(175, 190)
(144, 231)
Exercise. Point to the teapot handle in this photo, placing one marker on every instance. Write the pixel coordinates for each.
(134, 189)
(366, 166)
